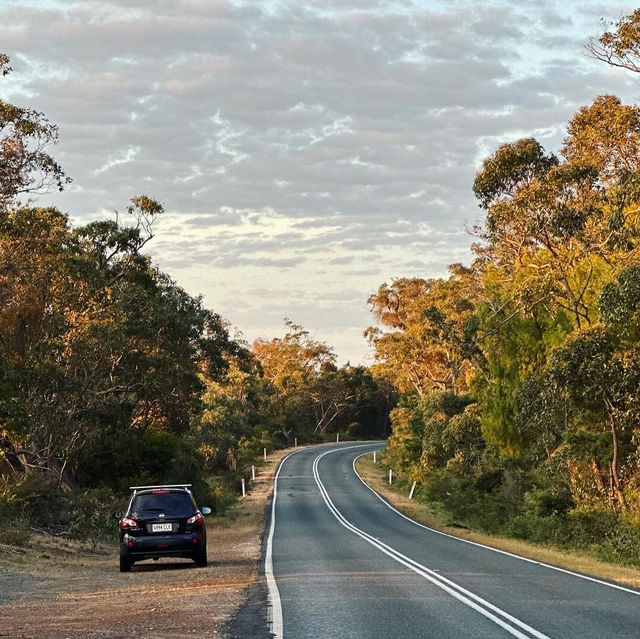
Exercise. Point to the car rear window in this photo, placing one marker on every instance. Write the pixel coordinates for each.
(172, 504)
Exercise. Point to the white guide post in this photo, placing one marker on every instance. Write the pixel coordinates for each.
(265, 453)
(295, 442)
(337, 437)
(413, 487)
(244, 490)
(374, 456)
(253, 472)
(390, 476)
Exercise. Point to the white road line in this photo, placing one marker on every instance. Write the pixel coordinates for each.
(502, 552)
(275, 609)
(461, 594)
(275, 616)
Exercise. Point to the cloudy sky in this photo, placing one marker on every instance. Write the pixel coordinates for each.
(305, 152)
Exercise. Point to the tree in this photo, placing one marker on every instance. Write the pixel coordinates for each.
(295, 358)
(95, 341)
(519, 346)
(619, 45)
(339, 398)
(430, 344)
(291, 366)
(555, 228)
(303, 394)
(25, 166)
(588, 369)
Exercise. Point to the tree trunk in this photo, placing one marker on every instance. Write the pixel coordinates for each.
(12, 456)
(617, 488)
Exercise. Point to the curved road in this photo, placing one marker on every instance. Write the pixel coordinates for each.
(341, 563)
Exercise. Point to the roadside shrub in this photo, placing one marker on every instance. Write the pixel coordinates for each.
(624, 546)
(14, 532)
(37, 498)
(591, 527)
(545, 502)
(220, 496)
(551, 529)
(521, 527)
(459, 498)
(91, 518)
(252, 447)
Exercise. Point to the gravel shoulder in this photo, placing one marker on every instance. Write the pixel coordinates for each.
(56, 589)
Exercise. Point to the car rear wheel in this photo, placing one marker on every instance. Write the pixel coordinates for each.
(200, 557)
(125, 564)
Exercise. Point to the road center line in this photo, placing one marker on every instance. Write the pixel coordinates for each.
(461, 594)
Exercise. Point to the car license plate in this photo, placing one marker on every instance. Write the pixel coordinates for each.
(161, 527)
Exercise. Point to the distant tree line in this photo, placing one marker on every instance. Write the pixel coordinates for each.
(520, 374)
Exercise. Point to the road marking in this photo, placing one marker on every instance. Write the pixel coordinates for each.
(498, 550)
(275, 610)
(463, 595)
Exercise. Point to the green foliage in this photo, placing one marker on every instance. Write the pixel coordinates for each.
(511, 167)
(221, 495)
(34, 498)
(520, 346)
(484, 502)
(619, 303)
(91, 518)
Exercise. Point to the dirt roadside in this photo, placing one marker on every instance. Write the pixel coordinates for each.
(55, 589)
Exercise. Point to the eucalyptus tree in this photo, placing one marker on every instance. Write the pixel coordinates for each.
(429, 341)
(25, 165)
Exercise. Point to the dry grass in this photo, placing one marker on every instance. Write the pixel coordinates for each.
(59, 589)
(375, 476)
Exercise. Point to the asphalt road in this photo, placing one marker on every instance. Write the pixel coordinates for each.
(342, 564)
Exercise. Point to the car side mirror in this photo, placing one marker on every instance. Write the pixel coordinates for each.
(206, 510)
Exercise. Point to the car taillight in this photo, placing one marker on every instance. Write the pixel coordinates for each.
(196, 519)
(127, 522)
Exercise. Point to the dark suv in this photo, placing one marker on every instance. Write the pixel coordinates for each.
(162, 521)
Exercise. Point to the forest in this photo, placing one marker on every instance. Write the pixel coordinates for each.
(519, 374)
(510, 386)
(111, 374)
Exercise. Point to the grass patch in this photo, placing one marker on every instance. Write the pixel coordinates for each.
(376, 476)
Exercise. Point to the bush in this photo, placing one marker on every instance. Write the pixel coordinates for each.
(91, 518)
(14, 532)
(591, 527)
(458, 497)
(221, 496)
(622, 547)
(545, 502)
(36, 498)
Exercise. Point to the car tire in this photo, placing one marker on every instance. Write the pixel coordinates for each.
(200, 557)
(125, 564)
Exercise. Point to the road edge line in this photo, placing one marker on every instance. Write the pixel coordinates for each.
(498, 550)
(275, 609)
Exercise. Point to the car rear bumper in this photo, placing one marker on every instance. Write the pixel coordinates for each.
(148, 546)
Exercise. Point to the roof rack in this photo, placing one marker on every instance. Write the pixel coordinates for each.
(163, 486)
